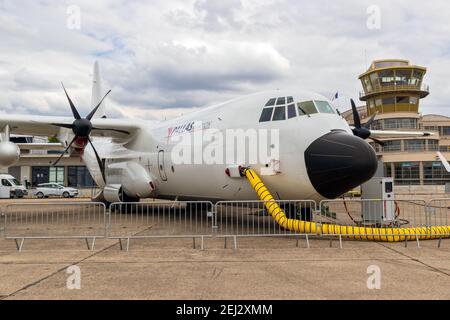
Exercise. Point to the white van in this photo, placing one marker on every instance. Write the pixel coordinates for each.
(10, 187)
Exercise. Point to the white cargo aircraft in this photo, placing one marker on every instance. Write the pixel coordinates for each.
(319, 155)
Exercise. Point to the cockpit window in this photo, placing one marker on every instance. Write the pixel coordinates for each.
(291, 111)
(279, 114)
(266, 115)
(290, 100)
(307, 107)
(271, 102)
(281, 101)
(324, 107)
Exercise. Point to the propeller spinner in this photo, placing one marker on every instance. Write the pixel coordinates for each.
(363, 131)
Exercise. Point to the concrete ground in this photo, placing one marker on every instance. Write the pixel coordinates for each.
(261, 268)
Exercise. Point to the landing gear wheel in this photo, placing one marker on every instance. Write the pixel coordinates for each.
(128, 204)
(297, 211)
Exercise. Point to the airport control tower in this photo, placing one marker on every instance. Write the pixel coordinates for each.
(393, 85)
(393, 88)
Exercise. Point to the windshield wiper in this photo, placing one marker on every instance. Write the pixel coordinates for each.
(303, 110)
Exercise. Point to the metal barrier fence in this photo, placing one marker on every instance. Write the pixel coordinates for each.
(59, 220)
(438, 212)
(202, 219)
(235, 219)
(190, 219)
(374, 213)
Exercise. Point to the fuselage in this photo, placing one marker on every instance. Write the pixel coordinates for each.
(285, 156)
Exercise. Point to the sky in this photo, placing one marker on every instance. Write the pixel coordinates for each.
(165, 58)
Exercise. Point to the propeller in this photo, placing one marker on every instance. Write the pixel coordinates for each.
(82, 128)
(363, 131)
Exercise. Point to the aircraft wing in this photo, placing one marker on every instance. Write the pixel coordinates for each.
(444, 161)
(41, 146)
(121, 129)
(394, 133)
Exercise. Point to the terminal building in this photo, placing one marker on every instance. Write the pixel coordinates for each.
(393, 90)
(35, 166)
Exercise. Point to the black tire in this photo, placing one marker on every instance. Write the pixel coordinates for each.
(65, 194)
(40, 195)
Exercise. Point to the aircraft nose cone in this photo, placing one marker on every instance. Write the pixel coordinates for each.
(337, 162)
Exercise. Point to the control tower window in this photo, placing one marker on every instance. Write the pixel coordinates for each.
(403, 77)
(291, 111)
(386, 77)
(367, 84)
(389, 100)
(384, 64)
(306, 106)
(416, 78)
(324, 107)
(279, 114)
(281, 101)
(266, 115)
(271, 102)
(401, 99)
(374, 79)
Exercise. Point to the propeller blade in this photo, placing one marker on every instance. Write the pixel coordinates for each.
(356, 119)
(63, 125)
(369, 122)
(91, 114)
(109, 129)
(62, 154)
(75, 113)
(99, 161)
(381, 143)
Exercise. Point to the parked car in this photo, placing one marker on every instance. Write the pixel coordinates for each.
(10, 187)
(45, 190)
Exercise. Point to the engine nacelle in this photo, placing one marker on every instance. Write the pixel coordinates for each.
(134, 180)
(9, 153)
(113, 193)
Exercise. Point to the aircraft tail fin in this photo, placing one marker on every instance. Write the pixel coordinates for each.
(97, 92)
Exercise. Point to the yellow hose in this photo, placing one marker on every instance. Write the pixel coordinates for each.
(351, 232)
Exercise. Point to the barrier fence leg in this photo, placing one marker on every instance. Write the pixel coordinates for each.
(128, 244)
(439, 242)
(202, 244)
(19, 246)
(235, 243)
(417, 240)
(307, 241)
(93, 243)
(120, 244)
(87, 243)
(340, 241)
(225, 243)
(193, 243)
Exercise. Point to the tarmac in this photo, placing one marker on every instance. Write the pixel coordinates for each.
(260, 268)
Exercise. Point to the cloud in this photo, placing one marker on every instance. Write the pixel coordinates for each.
(165, 58)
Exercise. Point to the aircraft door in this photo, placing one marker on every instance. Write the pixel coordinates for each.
(161, 165)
